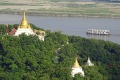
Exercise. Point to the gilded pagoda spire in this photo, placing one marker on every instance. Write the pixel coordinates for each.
(76, 64)
(24, 22)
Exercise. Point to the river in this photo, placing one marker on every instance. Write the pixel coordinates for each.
(71, 25)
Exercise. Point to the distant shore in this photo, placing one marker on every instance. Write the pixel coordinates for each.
(62, 9)
(58, 15)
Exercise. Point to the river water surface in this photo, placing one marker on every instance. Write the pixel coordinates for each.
(70, 25)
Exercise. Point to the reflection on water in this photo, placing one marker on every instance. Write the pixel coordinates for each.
(101, 37)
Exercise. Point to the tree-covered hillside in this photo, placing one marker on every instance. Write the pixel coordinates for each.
(28, 58)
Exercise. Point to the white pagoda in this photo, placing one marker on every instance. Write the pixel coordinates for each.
(77, 69)
(25, 28)
(89, 63)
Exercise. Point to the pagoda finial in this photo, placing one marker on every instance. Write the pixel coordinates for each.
(24, 16)
(24, 22)
(76, 64)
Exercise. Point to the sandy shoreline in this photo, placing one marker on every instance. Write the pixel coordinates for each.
(58, 15)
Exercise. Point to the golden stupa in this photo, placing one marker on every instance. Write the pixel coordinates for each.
(24, 22)
(76, 64)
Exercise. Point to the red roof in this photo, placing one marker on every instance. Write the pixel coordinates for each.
(12, 32)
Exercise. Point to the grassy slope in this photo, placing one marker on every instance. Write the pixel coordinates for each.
(44, 7)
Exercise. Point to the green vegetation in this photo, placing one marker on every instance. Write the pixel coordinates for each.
(28, 58)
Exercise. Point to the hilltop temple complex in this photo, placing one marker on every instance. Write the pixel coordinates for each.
(25, 28)
(76, 68)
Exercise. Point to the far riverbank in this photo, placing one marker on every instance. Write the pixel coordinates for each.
(63, 9)
(57, 14)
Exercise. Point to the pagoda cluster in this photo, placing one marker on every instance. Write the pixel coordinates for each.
(76, 68)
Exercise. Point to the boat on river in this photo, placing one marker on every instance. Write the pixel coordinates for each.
(98, 32)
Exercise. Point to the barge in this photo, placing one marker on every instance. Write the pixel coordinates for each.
(98, 32)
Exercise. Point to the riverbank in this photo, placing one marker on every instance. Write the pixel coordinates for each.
(60, 14)
(63, 9)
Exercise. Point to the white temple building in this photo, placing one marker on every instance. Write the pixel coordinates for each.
(25, 28)
(89, 63)
(77, 69)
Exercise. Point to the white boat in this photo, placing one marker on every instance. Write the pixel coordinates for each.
(98, 32)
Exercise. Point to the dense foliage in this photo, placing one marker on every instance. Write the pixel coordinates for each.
(28, 58)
